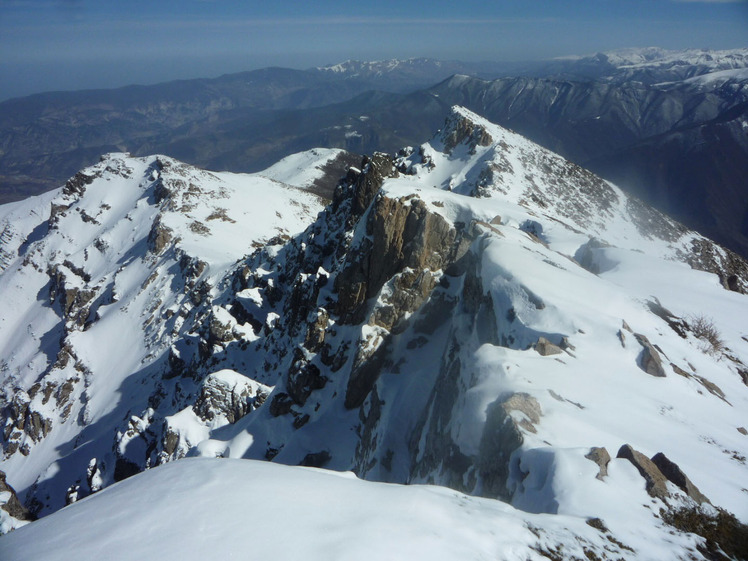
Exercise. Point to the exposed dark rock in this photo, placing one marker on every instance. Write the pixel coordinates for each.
(730, 267)
(159, 236)
(280, 404)
(316, 459)
(366, 370)
(218, 331)
(674, 474)
(676, 324)
(315, 336)
(124, 468)
(655, 480)
(364, 183)
(230, 399)
(171, 441)
(13, 506)
(502, 435)
(403, 233)
(73, 299)
(649, 359)
(303, 378)
(76, 185)
(57, 211)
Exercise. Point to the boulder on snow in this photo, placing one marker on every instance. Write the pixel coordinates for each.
(545, 348)
(602, 458)
(656, 482)
(675, 475)
(649, 359)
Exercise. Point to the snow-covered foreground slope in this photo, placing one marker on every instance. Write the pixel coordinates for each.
(200, 509)
(477, 314)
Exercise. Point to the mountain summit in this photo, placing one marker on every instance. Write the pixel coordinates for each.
(476, 313)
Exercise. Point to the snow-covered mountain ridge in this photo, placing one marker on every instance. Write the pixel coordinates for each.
(101, 276)
(653, 64)
(477, 313)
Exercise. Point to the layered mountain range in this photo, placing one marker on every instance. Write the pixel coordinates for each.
(666, 126)
(564, 367)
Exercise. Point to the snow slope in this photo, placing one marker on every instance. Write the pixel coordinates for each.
(100, 277)
(301, 169)
(229, 509)
(477, 314)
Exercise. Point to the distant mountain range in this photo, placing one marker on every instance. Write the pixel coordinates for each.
(668, 126)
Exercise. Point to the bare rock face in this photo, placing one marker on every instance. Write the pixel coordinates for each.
(674, 474)
(403, 234)
(406, 245)
(76, 185)
(655, 480)
(650, 360)
(315, 336)
(159, 236)
(506, 420)
(365, 183)
(461, 130)
(70, 289)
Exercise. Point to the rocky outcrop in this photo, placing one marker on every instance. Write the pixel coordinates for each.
(674, 474)
(360, 186)
(76, 185)
(406, 247)
(72, 293)
(657, 471)
(656, 482)
(545, 348)
(602, 458)
(731, 268)
(159, 236)
(649, 359)
(402, 233)
(10, 502)
(461, 130)
(506, 421)
(230, 395)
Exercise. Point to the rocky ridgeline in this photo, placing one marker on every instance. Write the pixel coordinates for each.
(77, 290)
(353, 345)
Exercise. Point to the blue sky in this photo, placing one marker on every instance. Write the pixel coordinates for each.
(74, 44)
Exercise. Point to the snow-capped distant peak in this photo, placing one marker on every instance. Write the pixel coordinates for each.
(655, 56)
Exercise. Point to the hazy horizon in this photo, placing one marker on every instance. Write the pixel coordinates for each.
(79, 44)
